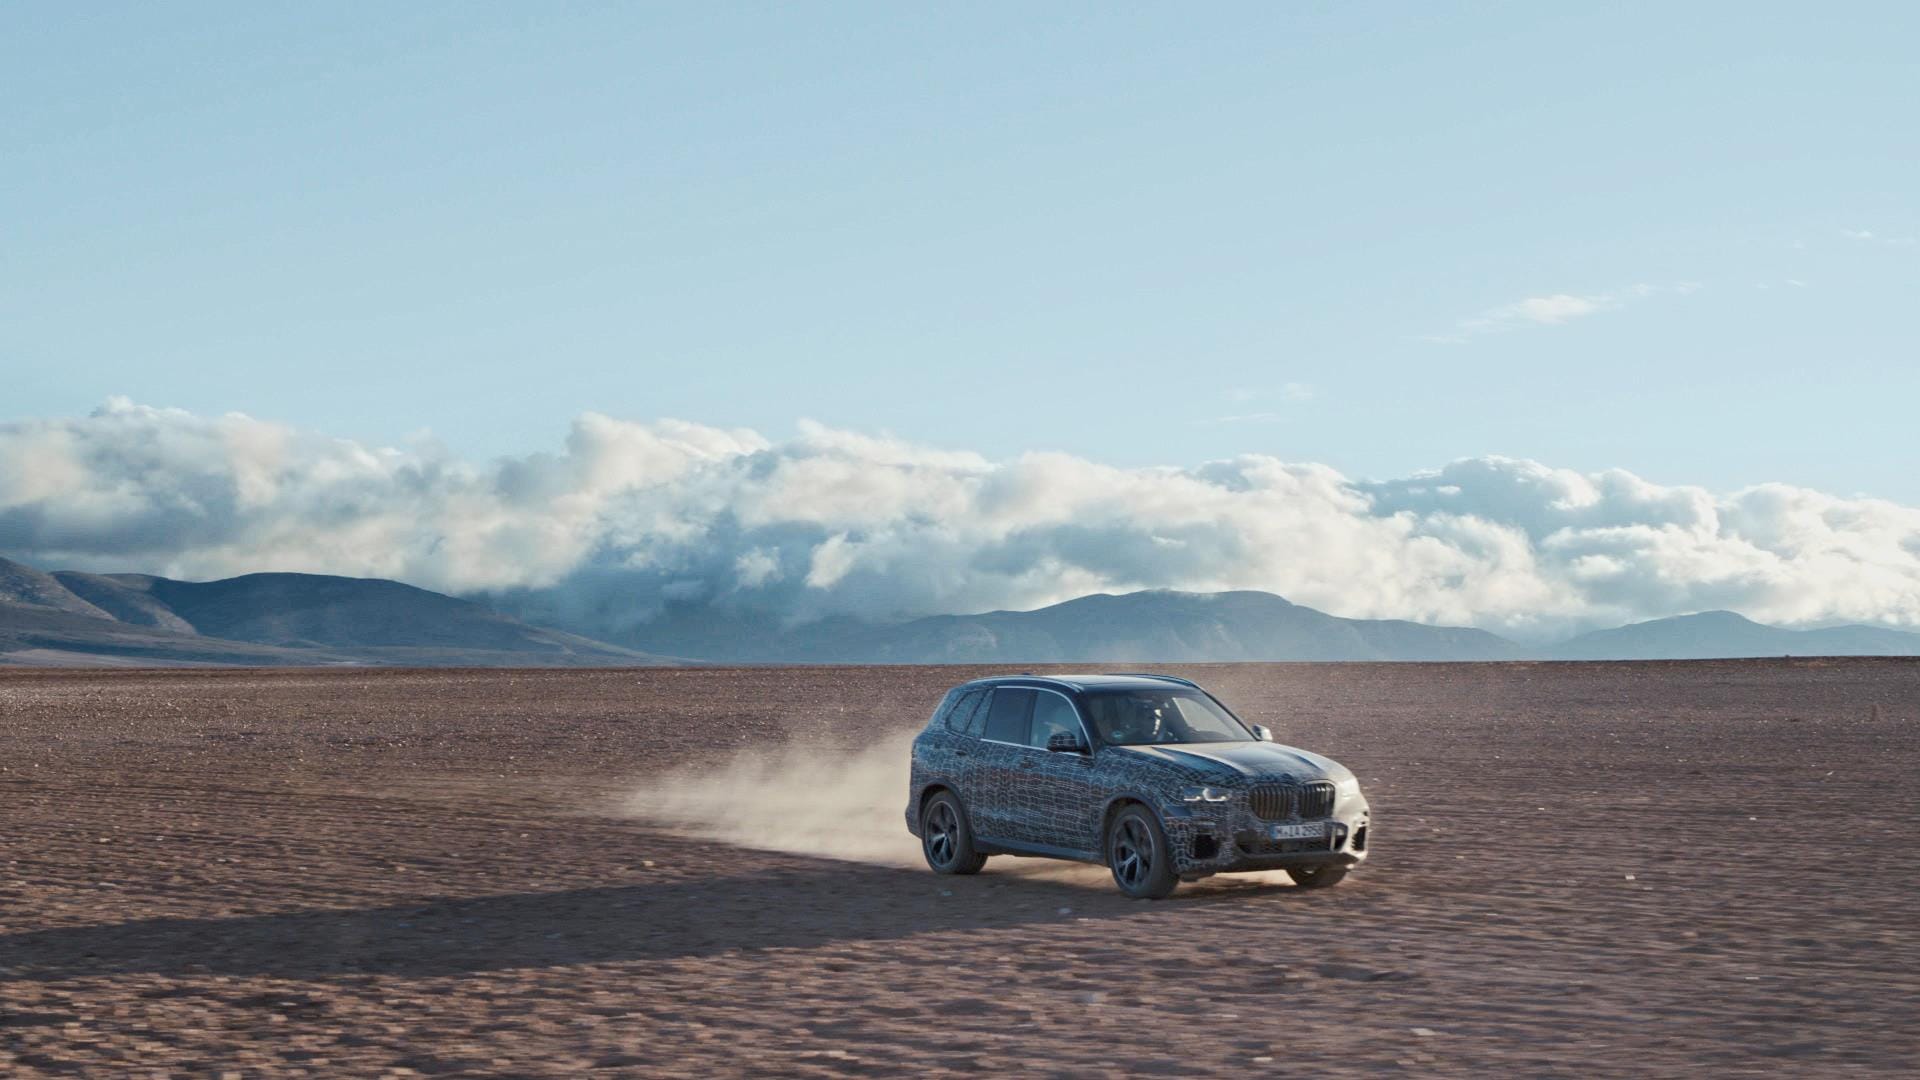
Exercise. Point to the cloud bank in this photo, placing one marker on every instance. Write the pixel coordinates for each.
(639, 516)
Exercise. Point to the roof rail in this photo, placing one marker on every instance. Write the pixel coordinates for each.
(1153, 675)
(1030, 675)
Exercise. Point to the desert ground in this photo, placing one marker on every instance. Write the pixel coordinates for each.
(1577, 870)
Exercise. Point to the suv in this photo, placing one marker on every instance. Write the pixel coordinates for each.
(1148, 774)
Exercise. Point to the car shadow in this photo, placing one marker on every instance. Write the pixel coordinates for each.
(795, 904)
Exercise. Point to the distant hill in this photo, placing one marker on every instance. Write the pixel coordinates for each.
(1715, 635)
(1157, 625)
(1183, 627)
(279, 619)
(21, 586)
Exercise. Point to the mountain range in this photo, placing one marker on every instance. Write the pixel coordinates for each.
(1156, 625)
(66, 617)
(1182, 627)
(272, 619)
(1712, 635)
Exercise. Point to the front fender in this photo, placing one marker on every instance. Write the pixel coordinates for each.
(1155, 803)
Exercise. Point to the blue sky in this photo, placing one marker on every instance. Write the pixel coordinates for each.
(1675, 240)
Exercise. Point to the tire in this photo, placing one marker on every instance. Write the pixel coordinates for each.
(945, 837)
(1324, 876)
(1138, 854)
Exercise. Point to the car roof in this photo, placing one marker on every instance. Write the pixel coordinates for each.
(1126, 681)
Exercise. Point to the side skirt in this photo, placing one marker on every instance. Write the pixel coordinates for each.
(989, 846)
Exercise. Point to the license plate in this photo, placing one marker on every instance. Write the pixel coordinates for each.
(1315, 831)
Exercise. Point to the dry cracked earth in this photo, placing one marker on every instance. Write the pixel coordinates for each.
(1578, 870)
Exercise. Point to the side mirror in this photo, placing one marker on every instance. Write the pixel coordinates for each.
(1262, 733)
(1065, 742)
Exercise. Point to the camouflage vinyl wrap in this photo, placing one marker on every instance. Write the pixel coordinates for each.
(1026, 797)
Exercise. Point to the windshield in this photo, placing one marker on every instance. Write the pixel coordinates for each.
(1142, 717)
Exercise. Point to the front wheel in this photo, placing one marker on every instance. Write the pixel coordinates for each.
(1138, 856)
(1324, 876)
(946, 839)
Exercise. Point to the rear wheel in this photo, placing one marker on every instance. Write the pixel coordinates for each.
(1324, 876)
(1138, 856)
(946, 839)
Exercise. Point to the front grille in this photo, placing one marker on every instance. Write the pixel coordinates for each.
(1279, 802)
(1316, 799)
(1271, 802)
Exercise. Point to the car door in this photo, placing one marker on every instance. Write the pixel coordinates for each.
(1053, 804)
(992, 784)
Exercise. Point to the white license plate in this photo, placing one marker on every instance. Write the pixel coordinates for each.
(1315, 831)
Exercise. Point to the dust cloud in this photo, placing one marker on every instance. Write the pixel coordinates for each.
(833, 803)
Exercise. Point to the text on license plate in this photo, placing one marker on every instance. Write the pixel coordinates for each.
(1314, 831)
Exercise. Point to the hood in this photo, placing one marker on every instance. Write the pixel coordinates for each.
(1243, 759)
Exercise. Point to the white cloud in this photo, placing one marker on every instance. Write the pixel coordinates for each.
(1550, 310)
(756, 567)
(637, 514)
(1868, 236)
(1553, 310)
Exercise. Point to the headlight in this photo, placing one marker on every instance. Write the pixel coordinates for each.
(1205, 794)
(1347, 789)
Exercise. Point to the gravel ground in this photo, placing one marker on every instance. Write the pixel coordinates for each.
(1577, 870)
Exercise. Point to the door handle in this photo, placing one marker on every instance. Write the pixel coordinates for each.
(959, 753)
(1026, 764)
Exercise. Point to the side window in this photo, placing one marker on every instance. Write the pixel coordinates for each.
(944, 714)
(960, 717)
(1007, 717)
(1053, 715)
(978, 721)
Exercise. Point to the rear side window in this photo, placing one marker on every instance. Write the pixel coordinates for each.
(961, 717)
(1007, 716)
(944, 714)
(978, 721)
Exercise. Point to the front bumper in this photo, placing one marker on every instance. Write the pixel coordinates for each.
(1227, 838)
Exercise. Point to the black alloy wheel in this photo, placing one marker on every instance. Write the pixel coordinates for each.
(945, 838)
(1138, 855)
